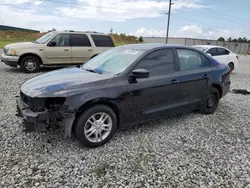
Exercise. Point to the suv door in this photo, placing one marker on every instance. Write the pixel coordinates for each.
(156, 95)
(58, 50)
(82, 50)
(194, 74)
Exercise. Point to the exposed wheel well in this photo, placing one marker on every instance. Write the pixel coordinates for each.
(30, 54)
(218, 87)
(94, 103)
(93, 56)
(231, 63)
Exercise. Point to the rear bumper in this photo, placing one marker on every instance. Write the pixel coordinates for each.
(10, 60)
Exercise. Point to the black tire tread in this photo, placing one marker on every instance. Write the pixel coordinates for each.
(203, 108)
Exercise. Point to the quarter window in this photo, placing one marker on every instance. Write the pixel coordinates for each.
(102, 41)
(190, 60)
(79, 40)
(158, 62)
(61, 40)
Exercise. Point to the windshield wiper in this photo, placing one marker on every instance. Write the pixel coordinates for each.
(91, 70)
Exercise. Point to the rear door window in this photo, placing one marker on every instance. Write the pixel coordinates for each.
(80, 40)
(190, 60)
(102, 41)
(212, 51)
(222, 51)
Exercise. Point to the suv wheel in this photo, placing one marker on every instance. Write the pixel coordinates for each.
(95, 126)
(210, 102)
(29, 64)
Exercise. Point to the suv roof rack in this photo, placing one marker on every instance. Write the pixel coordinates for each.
(83, 31)
(69, 30)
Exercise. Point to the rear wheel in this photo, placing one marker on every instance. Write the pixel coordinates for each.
(210, 102)
(95, 126)
(30, 64)
(231, 66)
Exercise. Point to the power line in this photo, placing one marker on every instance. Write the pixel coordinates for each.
(219, 17)
(221, 13)
(213, 27)
(178, 17)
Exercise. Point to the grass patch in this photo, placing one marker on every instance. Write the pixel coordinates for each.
(5, 40)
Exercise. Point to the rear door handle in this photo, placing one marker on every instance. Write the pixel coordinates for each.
(66, 50)
(174, 81)
(89, 49)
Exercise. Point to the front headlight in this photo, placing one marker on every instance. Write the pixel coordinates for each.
(11, 52)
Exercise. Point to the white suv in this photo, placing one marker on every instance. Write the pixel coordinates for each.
(56, 49)
(221, 54)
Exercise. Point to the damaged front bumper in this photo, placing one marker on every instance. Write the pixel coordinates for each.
(42, 121)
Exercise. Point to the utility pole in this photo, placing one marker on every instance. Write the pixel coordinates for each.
(169, 13)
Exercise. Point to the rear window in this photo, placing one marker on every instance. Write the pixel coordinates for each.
(102, 41)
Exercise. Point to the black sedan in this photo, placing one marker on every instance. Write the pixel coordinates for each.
(123, 86)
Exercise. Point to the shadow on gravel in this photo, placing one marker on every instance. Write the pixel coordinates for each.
(17, 70)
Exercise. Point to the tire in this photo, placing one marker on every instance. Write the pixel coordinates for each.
(210, 102)
(231, 66)
(30, 64)
(84, 126)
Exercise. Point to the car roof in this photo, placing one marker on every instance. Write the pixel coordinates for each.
(208, 46)
(149, 46)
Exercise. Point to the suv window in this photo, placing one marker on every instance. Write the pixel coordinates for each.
(158, 62)
(80, 40)
(222, 51)
(61, 40)
(102, 41)
(190, 60)
(212, 51)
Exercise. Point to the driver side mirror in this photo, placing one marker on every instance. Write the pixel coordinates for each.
(138, 73)
(52, 43)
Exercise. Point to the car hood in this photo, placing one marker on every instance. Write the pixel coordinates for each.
(63, 82)
(20, 45)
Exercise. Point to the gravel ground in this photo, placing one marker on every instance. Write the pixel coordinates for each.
(191, 150)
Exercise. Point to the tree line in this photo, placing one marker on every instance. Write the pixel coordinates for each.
(244, 39)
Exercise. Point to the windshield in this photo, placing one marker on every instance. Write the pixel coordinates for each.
(45, 38)
(200, 48)
(113, 61)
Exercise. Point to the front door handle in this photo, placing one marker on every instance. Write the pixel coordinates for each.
(174, 81)
(89, 49)
(66, 50)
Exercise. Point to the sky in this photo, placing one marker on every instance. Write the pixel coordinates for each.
(209, 19)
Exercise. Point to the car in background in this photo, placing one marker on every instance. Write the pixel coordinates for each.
(123, 86)
(221, 54)
(57, 48)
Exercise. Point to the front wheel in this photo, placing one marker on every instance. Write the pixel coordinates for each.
(210, 102)
(29, 64)
(95, 126)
